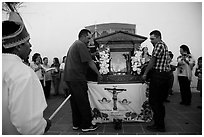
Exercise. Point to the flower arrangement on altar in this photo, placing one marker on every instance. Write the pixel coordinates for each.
(137, 61)
(104, 60)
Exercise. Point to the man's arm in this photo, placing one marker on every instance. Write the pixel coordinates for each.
(149, 67)
(94, 68)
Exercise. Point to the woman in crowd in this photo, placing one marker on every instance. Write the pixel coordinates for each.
(184, 71)
(36, 66)
(64, 85)
(47, 78)
(198, 73)
(145, 55)
(56, 75)
(171, 80)
(145, 58)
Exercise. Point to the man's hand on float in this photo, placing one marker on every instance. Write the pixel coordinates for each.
(100, 77)
(144, 77)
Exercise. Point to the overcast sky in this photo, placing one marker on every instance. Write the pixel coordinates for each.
(54, 26)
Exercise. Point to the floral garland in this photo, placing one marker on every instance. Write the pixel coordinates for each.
(137, 61)
(104, 61)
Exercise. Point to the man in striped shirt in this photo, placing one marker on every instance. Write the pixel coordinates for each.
(158, 72)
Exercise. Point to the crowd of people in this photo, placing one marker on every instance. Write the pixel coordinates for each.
(49, 74)
(25, 90)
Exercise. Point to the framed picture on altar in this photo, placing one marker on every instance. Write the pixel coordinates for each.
(119, 62)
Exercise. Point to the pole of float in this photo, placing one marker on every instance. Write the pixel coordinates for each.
(57, 110)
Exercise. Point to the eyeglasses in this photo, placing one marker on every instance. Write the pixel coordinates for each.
(152, 38)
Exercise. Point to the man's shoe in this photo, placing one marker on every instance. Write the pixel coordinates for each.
(91, 128)
(75, 128)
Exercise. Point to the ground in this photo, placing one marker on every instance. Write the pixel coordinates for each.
(179, 120)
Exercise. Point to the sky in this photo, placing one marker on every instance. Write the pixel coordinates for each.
(54, 26)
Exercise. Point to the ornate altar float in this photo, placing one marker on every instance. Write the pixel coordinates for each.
(120, 57)
(121, 93)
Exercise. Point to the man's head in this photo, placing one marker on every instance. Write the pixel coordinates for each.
(15, 39)
(155, 36)
(85, 36)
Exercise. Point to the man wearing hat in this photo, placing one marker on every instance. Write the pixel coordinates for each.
(23, 100)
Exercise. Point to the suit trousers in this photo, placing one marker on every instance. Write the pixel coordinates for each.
(80, 105)
(158, 90)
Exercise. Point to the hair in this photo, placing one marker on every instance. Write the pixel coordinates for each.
(63, 59)
(35, 56)
(143, 51)
(185, 49)
(157, 33)
(83, 32)
(56, 60)
(171, 55)
(200, 58)
(45, 58)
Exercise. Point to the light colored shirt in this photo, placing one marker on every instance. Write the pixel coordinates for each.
(185, 69)
(23, 100)
(62, 66)
(39, 72)
(47, 74)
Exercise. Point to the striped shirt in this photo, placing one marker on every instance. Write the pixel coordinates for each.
(160, 51)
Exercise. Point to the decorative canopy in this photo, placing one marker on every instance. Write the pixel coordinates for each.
(120, 37)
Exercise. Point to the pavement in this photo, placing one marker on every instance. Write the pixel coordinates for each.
(179, 120)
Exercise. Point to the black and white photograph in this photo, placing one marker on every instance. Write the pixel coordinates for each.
(101, 68)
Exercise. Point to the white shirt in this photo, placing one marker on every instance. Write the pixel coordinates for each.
(62, 65)
(185, 69)
(39, 72)
(23, 100)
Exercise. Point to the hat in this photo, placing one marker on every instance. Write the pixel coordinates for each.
(13, 34)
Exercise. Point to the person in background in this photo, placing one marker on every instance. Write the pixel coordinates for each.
(36, 66)
(198, 73)
(23, 100)
(47, 78)
(145, 55)
(184, 71)
(159, 80)
(145, 58)
(77, 62)
(64, 85)
(56, 75)
(173, 68)
(171, 80)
